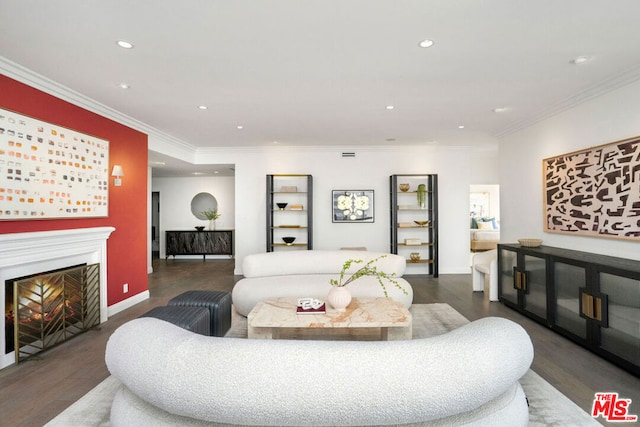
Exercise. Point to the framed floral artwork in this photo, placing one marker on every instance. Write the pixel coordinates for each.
(352, 206)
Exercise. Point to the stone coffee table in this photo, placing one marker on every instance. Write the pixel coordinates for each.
(390, 317)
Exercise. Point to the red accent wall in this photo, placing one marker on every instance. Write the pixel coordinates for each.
(127, 246)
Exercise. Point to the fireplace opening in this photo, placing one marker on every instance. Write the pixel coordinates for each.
(46, 309)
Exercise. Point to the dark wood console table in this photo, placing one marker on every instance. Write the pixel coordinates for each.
(206, 242)
(591, 299)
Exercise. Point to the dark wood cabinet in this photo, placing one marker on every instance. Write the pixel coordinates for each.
(289, 212)
(206, 242)
(524, 275)
(591, 299)
(414, 221)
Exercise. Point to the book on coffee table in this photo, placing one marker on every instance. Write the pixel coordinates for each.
(320, 310)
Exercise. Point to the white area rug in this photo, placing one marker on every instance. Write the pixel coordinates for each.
(547, 406)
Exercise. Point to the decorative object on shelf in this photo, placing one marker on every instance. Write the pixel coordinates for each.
(296, 207)
(337, 297)
(353, 206)
(422, 223)
(199, 227)
(289, 188)
(211, 215)
(591, 192)
(289, 240)
(422, 196)
(404, 187)
(415, 256)
(281, 206)
(530, 243)
(412, 242)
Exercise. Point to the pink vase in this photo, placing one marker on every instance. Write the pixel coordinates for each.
(339, 297)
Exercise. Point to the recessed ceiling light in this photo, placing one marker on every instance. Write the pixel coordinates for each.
(580, 60)
(500, 110)
(390, 107)
(426, 43)
(240, 127)
(202, 107)
(216, 172)
(461, 127)
(125, 44)
(198, 173)
(123, 86)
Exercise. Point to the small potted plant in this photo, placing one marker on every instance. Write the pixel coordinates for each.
(340, 297)
(211, 215)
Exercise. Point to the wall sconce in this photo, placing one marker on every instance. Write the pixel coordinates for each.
(117, 172)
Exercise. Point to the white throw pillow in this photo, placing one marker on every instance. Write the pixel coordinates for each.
(485, 225)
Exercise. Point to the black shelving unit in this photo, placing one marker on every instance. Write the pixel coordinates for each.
(409, 212)
(293, 220)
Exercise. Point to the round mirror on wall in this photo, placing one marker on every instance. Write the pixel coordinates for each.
(203, 202)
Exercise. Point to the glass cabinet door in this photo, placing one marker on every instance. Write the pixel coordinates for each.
(622, 336)
(568, 280)
(509, 261)
(535, 294)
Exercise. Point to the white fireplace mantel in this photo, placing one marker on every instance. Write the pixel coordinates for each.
(23, 254)
(21, 248)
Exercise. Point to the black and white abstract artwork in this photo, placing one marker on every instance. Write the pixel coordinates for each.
(352, 206)
(594, 192)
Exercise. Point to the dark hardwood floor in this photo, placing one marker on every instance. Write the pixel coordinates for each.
(35, 391)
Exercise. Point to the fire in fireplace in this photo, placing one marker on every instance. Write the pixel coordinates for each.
(46, 309)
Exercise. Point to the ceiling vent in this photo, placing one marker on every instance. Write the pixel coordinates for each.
(348, 154)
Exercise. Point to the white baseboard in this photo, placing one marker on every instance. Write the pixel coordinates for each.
(129, 302)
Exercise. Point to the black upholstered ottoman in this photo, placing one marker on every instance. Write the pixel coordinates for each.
(194, 319)
(218, 303)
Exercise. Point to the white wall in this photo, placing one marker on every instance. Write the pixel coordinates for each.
(175, 203)
(370, 169)
(610, 117)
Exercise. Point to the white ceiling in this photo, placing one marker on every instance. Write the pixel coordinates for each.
(321, 72)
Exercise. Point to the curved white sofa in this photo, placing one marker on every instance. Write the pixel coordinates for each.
(299, 274)
(174, 377)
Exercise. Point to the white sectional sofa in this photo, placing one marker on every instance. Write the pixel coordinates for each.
(298, 274)
(174, 377)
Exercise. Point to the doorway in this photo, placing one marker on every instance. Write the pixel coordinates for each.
(484, 217)
(155, 224)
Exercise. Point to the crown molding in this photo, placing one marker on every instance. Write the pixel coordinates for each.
(158, 140)
(164, 143)
(631, 75)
